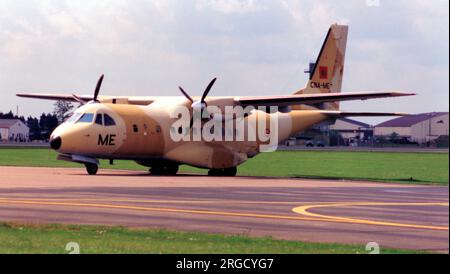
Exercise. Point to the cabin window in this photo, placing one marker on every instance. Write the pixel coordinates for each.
(109, 121)
(86, 118)
(135, 128)
(99, 119)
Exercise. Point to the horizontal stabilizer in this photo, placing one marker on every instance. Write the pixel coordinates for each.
(362, 114)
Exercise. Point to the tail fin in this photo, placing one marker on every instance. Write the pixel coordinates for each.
(326, 75)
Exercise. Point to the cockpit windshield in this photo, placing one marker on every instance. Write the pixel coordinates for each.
(86, 118)
(75, 116)
(109, 121)
(105, 120)
(101, 119)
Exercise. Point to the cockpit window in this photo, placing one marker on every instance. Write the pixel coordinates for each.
(86, 118)
(99, 119)
(109, 121)
(74, 117)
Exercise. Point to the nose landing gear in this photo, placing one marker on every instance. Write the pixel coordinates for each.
(91, 168)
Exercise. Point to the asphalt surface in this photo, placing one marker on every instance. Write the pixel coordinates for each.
(392, 215)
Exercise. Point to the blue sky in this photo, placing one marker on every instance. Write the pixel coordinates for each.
(254, 47)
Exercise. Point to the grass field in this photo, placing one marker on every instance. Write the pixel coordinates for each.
(17, 238)
(426, 168)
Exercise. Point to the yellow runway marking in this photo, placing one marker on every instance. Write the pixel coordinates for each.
(156, 201)
(300, 210)
(303, 210)
(172, 210)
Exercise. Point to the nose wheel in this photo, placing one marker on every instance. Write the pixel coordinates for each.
(223, 172)
(91, 168)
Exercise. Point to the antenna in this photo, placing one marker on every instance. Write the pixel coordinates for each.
(310, 70)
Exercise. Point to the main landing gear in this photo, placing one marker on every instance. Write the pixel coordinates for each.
(164, 169)
(91, 168)
(223, 172)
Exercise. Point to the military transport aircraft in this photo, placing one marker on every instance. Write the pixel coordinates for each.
(141, 128)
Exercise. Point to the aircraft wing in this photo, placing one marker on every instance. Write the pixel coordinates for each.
(314, 98)
(62, 97)
(132, 100)
(289, 100)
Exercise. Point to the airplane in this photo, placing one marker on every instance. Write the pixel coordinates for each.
(140, 128)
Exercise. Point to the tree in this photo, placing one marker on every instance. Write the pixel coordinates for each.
(35, 130)
(8, 115)
(47, 123)
(62, 110)
(394, 137)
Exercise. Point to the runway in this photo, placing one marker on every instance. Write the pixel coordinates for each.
(392, 215)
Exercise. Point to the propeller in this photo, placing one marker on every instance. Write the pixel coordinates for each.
(199, 105)
(96, 92)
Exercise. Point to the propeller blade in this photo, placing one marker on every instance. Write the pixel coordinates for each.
(208, 89)
(186, 95)
(97, 88)
(78, 99)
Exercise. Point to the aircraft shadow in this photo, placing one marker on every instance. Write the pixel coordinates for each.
(296, 176)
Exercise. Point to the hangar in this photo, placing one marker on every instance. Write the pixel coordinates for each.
(420, 128)
(351, 130)
(343, 132)
(13, 130)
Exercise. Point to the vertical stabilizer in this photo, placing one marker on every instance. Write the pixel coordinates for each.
(327, 73)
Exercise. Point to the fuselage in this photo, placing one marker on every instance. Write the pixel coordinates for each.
(143, 134)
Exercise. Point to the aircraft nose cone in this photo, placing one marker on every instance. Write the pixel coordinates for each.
(55, 143)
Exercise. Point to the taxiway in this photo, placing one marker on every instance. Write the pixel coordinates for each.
(393, 215)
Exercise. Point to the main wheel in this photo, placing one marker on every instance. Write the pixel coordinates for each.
(164, 170)
(214, 172)
(231, 172)
(91, 168)
(223, 172)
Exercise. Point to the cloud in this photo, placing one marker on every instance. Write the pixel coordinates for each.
(229, 6)
(149, 47)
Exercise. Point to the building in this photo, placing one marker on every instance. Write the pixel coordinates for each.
(13, 130)
(343, 132)
(419, 128)
(352, 130)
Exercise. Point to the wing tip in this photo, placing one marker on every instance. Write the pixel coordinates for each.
(400, 114)
(401, 93)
